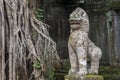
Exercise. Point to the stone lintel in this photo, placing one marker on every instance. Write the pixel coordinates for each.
(88, 77)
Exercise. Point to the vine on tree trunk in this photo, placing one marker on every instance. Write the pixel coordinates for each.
(23, 49)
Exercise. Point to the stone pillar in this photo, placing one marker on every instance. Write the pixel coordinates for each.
(88, 77)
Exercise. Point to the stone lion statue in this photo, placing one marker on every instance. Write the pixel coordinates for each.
(80, 46)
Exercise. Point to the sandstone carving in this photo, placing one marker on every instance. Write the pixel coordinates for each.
(80, 46)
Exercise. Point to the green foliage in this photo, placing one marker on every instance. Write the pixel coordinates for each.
(39, 14)
(97, 1)
(114, 4)
(37, 65)
(34, 33)
(97, 5)
(109, 74)
(51, 73)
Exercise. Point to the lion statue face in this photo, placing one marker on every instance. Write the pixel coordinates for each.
(77, 18)
(78, 15)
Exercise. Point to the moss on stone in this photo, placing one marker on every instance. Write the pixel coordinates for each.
(88, 77)
(94, 77)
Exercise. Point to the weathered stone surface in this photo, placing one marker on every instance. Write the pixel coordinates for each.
(88, 77)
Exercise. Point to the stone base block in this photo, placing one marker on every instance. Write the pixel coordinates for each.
(88, 77)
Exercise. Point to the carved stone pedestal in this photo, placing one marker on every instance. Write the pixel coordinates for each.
(88, 77)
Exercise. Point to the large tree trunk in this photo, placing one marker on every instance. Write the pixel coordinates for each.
(2, 43)
(17, 26)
